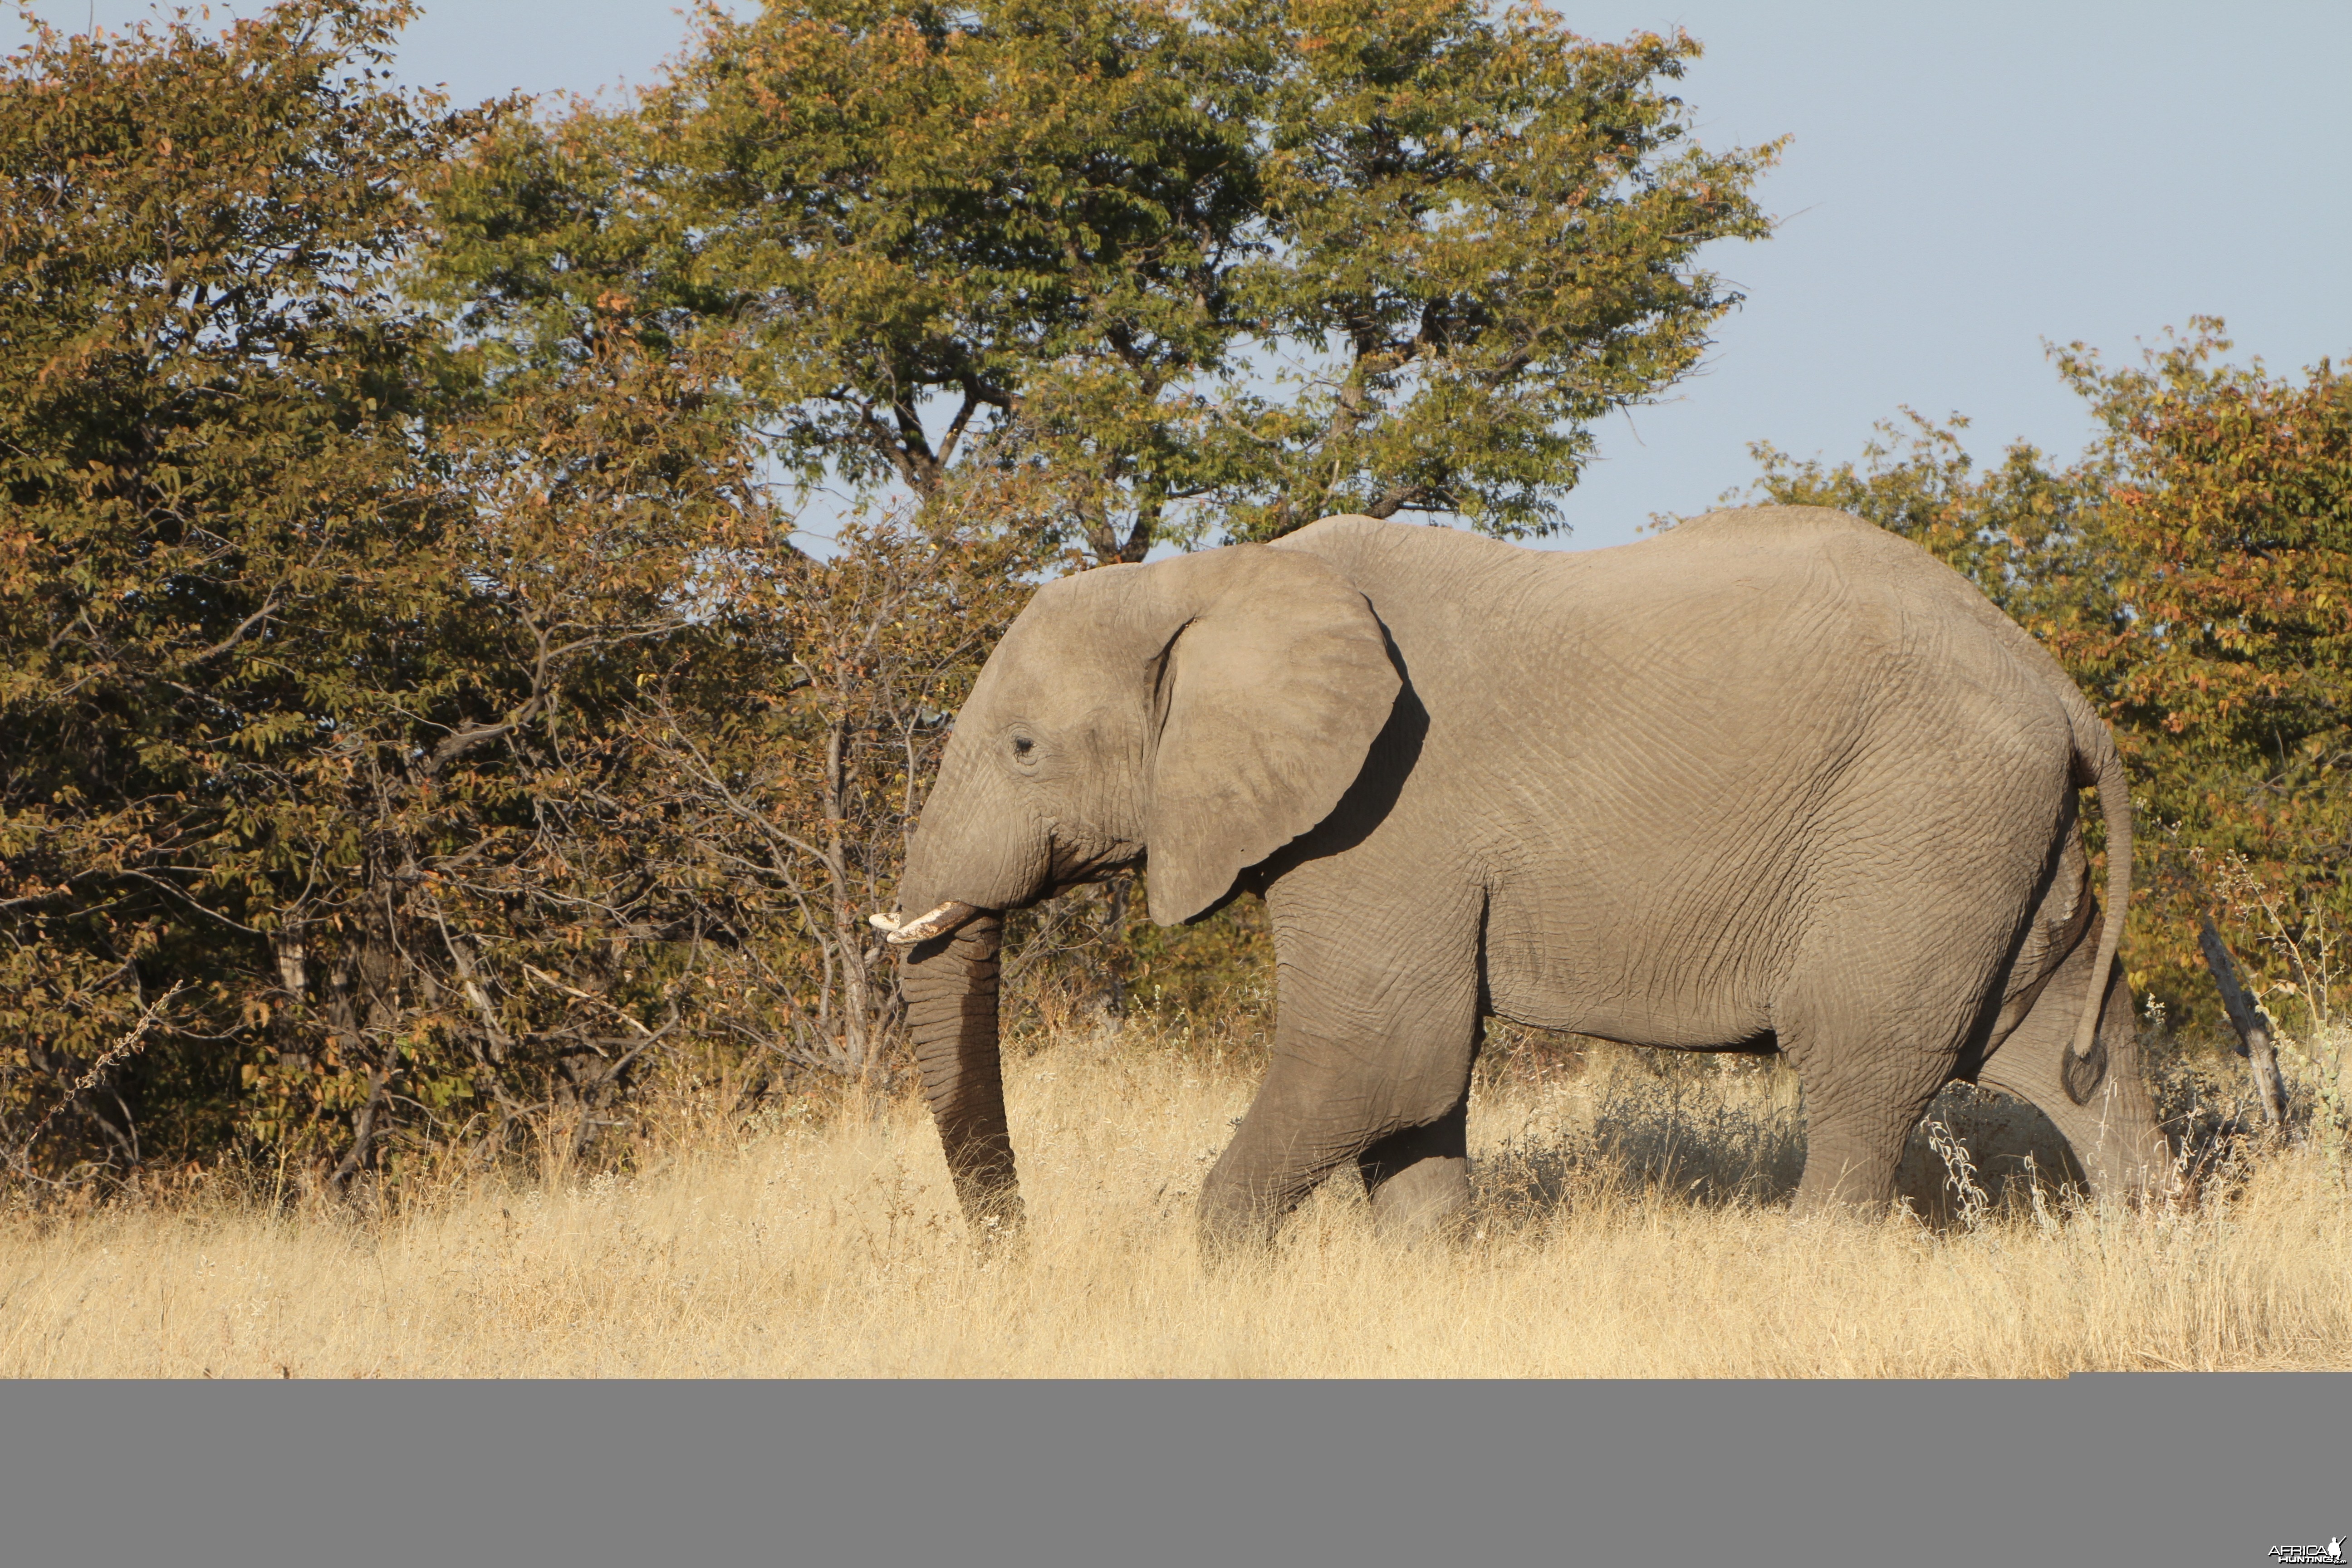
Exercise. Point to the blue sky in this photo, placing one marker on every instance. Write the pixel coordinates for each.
(1965, 181)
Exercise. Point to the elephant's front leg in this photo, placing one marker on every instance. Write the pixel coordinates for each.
(1419, 1179)
(1371, 1064)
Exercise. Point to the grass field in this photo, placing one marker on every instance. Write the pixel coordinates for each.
(1629, 1224)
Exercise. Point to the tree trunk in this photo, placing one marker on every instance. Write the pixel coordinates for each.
(2253, 1028)
(951, 1011)
(849, 931)
(1113, 953)
(363, 1012)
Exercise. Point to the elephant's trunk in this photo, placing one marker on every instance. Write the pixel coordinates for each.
(950, 987)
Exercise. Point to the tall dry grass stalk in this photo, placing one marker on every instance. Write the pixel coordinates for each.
(1628, 1225)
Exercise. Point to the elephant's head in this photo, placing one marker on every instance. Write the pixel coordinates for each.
(1196, 714)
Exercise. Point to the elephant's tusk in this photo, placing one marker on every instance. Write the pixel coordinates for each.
(938, 924)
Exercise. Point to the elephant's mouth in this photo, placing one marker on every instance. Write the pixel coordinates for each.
(929, 927)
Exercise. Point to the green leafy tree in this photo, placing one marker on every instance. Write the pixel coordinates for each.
(202, 390)
(351, 685)
(1212, 270)
(1478, 234)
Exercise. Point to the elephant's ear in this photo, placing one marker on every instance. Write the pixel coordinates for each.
(1271, 692)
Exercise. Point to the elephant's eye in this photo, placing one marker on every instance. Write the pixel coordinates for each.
(1023, 746)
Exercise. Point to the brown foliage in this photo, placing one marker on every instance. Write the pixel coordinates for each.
(414, 754)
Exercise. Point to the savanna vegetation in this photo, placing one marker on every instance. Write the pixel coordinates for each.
(1630, 1221)
(430, 730)
(482, 590)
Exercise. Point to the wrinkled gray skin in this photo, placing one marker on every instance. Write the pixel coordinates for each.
(1773, 779)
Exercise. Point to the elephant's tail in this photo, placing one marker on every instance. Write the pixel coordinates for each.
(2097, 765)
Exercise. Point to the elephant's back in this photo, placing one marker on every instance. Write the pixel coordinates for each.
(1817, 556)
(1809, 561)
(1783, 625)
(1795, 555)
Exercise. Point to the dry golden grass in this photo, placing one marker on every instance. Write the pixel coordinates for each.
(1626, 1226)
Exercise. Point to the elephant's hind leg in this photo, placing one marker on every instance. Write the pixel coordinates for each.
(2112, 1125)
(1870, 1065)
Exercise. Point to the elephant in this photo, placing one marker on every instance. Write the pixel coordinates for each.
(1774, 779)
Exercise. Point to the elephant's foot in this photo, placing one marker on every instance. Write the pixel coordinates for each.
(1234, 1235)
(1418, 1180)
(990, 1199)
(1429, 1201)
(1243, 1206)
(2130, 1167)
(1843, 1181)
(1426, 1201)
(1001, 1235)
